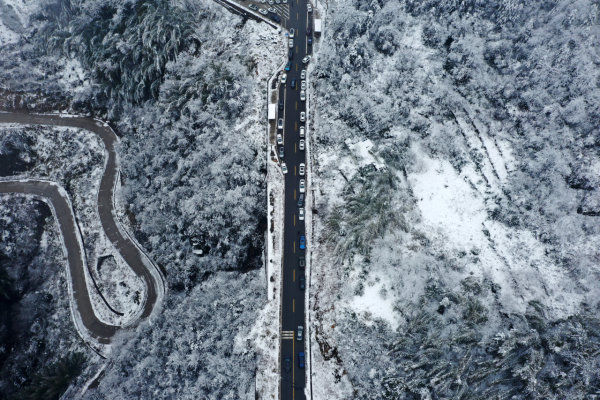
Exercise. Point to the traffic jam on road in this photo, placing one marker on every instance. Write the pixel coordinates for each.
(291, 148)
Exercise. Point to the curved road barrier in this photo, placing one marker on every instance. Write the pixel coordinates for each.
(83, 313)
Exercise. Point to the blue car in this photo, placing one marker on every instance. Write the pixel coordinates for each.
(301, 360)
(288, 66)
(302, 242)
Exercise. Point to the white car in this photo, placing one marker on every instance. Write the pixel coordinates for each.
(302, 169)
(301, 144)
(302, 186)
(308, 7)
(279, 138)
(301, 131)
(280, 123)
(292, 31)
(305, 60)
(284, 78)
(291, 43)
(303, 74)
(303, 85)
(301, 218)
(303, 95)
(302, 116)
(283, 168)
(263, 11)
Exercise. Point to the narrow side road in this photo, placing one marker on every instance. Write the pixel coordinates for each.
(131, 252)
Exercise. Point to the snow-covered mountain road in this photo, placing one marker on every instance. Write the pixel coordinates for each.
(87, 322)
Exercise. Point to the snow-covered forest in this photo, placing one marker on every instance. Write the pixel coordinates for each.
(455, 172)
(37, 335)
(184, 84)
(458, 198)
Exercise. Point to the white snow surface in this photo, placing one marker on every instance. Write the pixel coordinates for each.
(376, 303)
(456, 215)
(363, 154)
(73, 77)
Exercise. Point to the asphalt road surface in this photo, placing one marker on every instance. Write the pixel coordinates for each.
(99, 330)
(293, 382)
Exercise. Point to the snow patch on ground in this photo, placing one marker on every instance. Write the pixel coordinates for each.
(325, 385)
(376, 303)
(328, 377)
(455, 213)
(123, 289)
(362, 151)
(334, 169)
(448, 204)
(73, 77)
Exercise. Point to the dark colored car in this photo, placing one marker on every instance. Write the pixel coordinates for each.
(301, 200)
(274, 17)
(301, 262)
(281, 104)
(302, 283)
(302, 239)
(288, 66)
(308, 31)
(301, 359)
(293, 84)
(290, 54)
(287, 364)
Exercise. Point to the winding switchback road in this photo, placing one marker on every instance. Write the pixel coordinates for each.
(131, 252)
